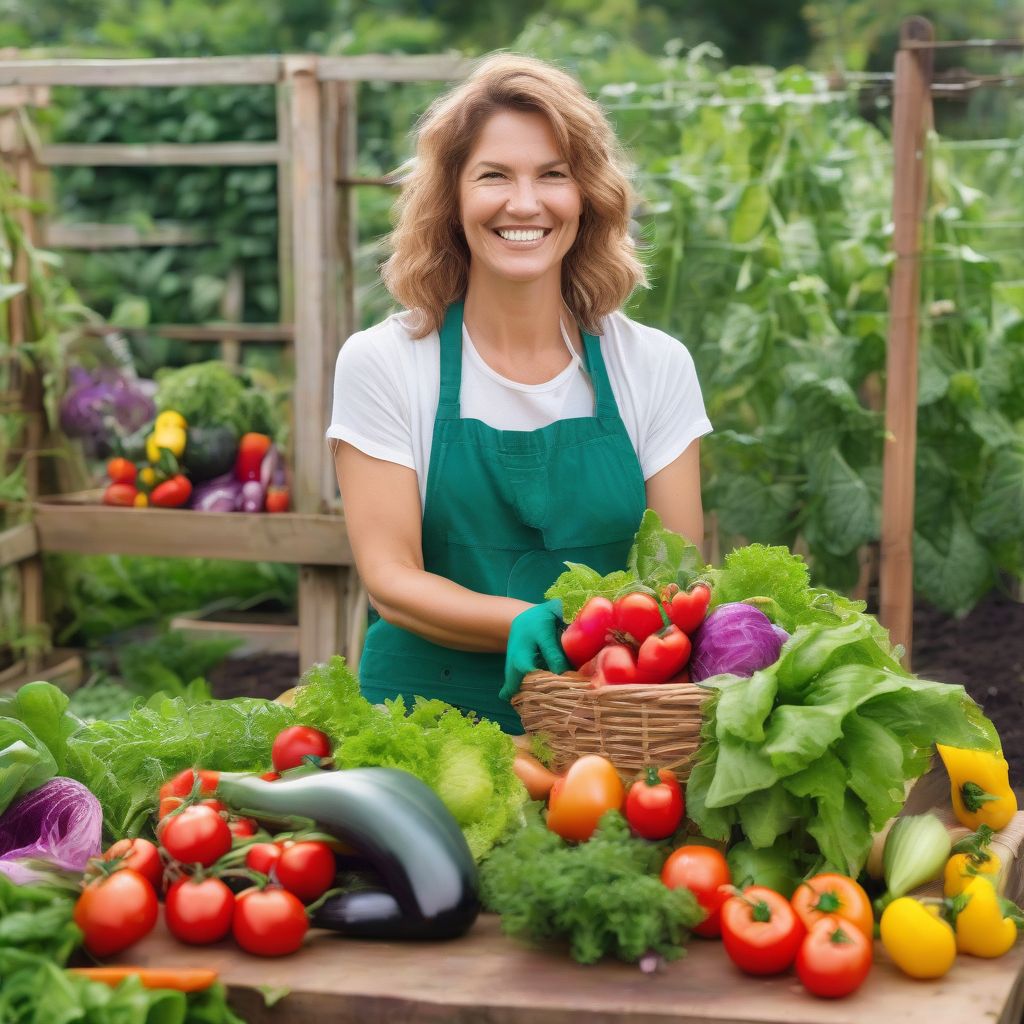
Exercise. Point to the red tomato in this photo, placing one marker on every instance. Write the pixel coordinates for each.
(663, 655)
(654, 804)
(834, 959)
(263, 857)
(703, 870)
(167, 805)
(199, 835)
(579, 798)
(616, 664)
(760, 931)
(122, 495)
(139, 855)
(307, 869)
(121, 471)
(278, 499)
(293, 745)
(183, 782)
(242, 828)
(171, 493)
(269, 922)
(199, 912)
(686, 608)
(270, 776)
(832, 895)
(637, 616)
(588, 632)
(115, 911)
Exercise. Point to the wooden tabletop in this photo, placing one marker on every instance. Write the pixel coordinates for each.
(487, 978)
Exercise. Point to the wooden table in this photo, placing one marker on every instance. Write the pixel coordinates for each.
(486, 978)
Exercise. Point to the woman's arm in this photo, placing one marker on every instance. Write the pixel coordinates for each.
(674, 493)
(384, 522)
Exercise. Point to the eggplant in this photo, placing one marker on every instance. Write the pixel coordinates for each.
(393, 821)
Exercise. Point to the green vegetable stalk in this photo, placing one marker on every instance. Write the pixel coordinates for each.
(916, 851)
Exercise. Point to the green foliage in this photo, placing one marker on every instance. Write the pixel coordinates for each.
(212, 394)
(603, 897)
(93, 596)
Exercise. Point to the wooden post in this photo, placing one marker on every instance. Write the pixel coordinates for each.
(232, 306)
(340, 166)
(912, 119)
(321, 591)
(17, 159)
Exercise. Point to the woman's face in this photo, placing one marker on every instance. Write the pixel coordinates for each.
(519, 205)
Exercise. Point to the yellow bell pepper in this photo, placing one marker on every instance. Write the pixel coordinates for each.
(919, 941)
(979, 787)
(972, 858)
(982, 928)
(170, 431)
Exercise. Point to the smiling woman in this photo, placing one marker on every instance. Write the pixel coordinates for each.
(511, 418)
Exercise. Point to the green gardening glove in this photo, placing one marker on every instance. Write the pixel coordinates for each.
(533, 643)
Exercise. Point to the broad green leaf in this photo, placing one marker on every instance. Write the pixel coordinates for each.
(842, 834)
(774, 867)
(953, 572)
(798, 735)
(999, 514)
(847, 512)
(766, 816)
(874, 763)
(824, 781)
(659, 556)
(750, 213)
(42, 707)
(740, 768)
(744, 705)
(714, 823)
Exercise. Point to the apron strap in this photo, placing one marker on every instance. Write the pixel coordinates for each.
(604, 398)
(451, 363)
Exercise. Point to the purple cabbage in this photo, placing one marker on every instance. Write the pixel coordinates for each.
(221, 494)
(736, 638)
(103, 402)
(59, 822)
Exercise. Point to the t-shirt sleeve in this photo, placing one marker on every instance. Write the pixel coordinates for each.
(677, 415)
(371, 407)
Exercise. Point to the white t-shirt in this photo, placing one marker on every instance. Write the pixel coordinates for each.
(387, 384)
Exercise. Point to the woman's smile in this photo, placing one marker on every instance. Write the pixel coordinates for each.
(519, 203)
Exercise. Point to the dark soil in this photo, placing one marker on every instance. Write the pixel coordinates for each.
(984, 652)
(254, 675)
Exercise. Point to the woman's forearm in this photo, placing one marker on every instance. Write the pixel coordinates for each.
(444, 612)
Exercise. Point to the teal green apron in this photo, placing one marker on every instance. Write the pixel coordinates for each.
(504, 510)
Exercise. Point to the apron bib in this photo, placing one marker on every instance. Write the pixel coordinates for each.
(504, 510)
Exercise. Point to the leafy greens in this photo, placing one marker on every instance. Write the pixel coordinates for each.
(603, 896)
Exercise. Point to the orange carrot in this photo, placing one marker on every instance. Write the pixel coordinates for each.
(182, 979)
(537, 779)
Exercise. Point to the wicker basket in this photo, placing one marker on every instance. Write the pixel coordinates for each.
(633, 725)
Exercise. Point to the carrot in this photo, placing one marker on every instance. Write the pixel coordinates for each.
(537, 779)
(182, 979)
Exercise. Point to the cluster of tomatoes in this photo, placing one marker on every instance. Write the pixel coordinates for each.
(201, 847)
(636, 638)
(825, 929)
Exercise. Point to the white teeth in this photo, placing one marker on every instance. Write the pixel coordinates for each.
(522, 236)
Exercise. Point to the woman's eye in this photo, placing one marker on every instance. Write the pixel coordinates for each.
(558, 173)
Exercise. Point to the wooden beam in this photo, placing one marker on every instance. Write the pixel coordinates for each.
(17, 544)
(308, 230)
(287, 537)
(257, 333)
(65, 235)
(912, 118)
(389, 67)
(163, 154)
(231, 306)
(147, 72)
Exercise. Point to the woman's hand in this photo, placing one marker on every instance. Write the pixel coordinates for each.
(534, 635)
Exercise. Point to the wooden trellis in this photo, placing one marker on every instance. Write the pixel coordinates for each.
(314, 153)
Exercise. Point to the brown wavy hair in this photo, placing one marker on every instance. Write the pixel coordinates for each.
(429, 264)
